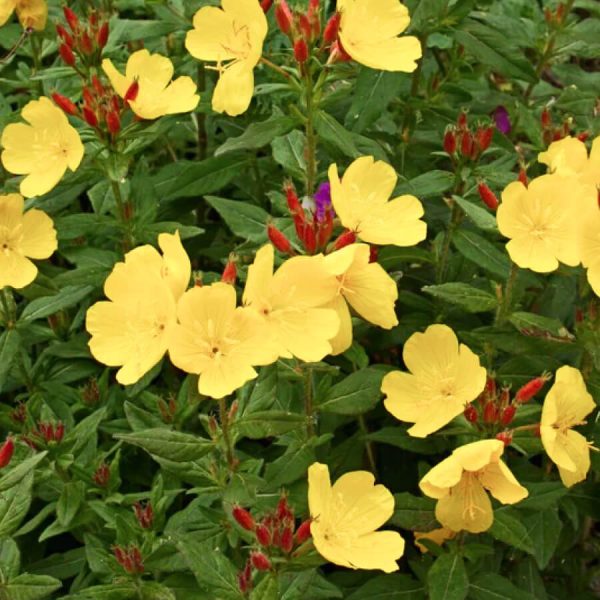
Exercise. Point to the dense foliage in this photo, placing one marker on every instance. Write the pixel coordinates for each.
(297, 304)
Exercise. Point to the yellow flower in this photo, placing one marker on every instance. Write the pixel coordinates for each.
(368, 32)
(459, 484)
(22, 236)
(132, 329)
(444, 376)
(233, 37)
(157, 94)
(360, 200)
(566, 405)
(542, 221)
(31, 13)
(345, 518)
(569, 158)
(590, 248)
(41, 150)
(438, 536)
(218, 341)
(290, 302)
(365, 286)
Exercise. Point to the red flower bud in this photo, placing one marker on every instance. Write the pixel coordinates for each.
(471, 413)
(488, 197)
(64, 35)
(330, 33)
(505, 437)
(67, 55)
(71, 18)
(65, 104)
(292, 198)
(263, 535)
(243, 517)
(102, 475)
(229, 272)
(132, 92)
(144, 515)
(484, 137)
(305, 27)
(283, 16)
(466, 144)
(523, 177)
(450, 141)
(546, 118)
(266, 5)
(309, 238)
(461, 122)
(286, 542)
(373, 253)
(59, 432)
(508, 414)
(279, 240)
(300, 50)
(6, 452)
(90, 117)
(243, 582)
(347, 238)
(260, 562)
(102, 35)
(283, 509)
(113, 122)
(97, 84)
(86, 43)
(583, 136)
(88, 97)
(531, 388)
(303, 532)
(490, 413)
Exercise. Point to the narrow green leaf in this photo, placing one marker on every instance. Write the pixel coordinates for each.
(492, 586)
(170, 445)
(245, 220)
(508, 528)
(466, 296)
(49, 305)
(354, 395)
(447, 579)
(9, 348)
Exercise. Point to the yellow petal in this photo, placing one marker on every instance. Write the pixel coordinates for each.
(16, 271)
(11, 210)
(6, 9)
(502, 484)
(177, 268)
(431, 352)
(441, 478)
(181, 96)
(403, 397)
(343, 340)
(319, 491)
(579, 451)
(566, 157)
(260, 274)
(396, 54)
(39, 235)
(437, 536)
(477, 455)
(233, 93)
(119, 82)
(222, 378)
(376, 550)
(32, 14)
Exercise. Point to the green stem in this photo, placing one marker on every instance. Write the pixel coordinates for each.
(368, 445)
(6, 308)
(224, 418)
(507, 296)
(455, 219)
(311, 139)
(37, 60)
(124, 212)
(414, 90)
(201, 117)
(308, 400)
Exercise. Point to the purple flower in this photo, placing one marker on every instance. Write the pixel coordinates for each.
(502, 119)
(322, 200)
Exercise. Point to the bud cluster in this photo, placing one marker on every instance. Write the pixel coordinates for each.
(101, 476)
(556, 17)
(83, 40)
(130, 559)
(144, 513)
(464, 144)
(44, 434)
(552, 132)
(303, 29)
(167, 409)
(276, 535)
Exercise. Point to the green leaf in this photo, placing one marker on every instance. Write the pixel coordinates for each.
(258, 135)
(466, 296)
(537, 323)
(335, 134)
(543, 495)
(481, 252)
(373, 91)
(394, 257)
(447, 579)
(354, 395)
(29, 587)
(389, 587)
(310, 584)
(415, 513)
(14, 505)
(482, 218)
(432, 183)
(495, 587)
(508, 528)
(10, 559)
(170, 445)
(268, 423)
(267, 589)
(544, 529)
(190, 179)
(111, 591)
(397, 436)
(16, 474)
(293, 464)
(245, 220)
(49, 305)
(9, 348)
(69, 501)
(288, 151)
(87, 428)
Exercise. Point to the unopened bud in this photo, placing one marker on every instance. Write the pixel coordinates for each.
(373, 253)
(71, 18)
(102, 475)
(97, 85)
(546, 119)
(86, 43)
(263, 535)
(347, 238)
(490, 413)
(286, 543)
(487, 196)
(303, 532)
(6, 452)
(583, 136)
(283, 16)
(292, 198)
(330, 33)
(59, 432)
(266, 5)
(67, 55)
(531, 388)
(113, 122)
(260, 562)
(243, 517)
(508, 414)
(450, 141)
(505, 437)
(523, 177)
(466, 144)
(484, 137)
(90, 117)
(64, 35)
(279, 240)
(300, 50)
(65, 104)
(132, 92)
(304, 26)
(471, 413)
(461, 121)
(102, 35)
(283, 509)
(229, 272)
(309, 238)
(243, 582)
(144, 515)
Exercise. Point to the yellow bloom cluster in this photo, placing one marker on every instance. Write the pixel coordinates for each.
(556, 218)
